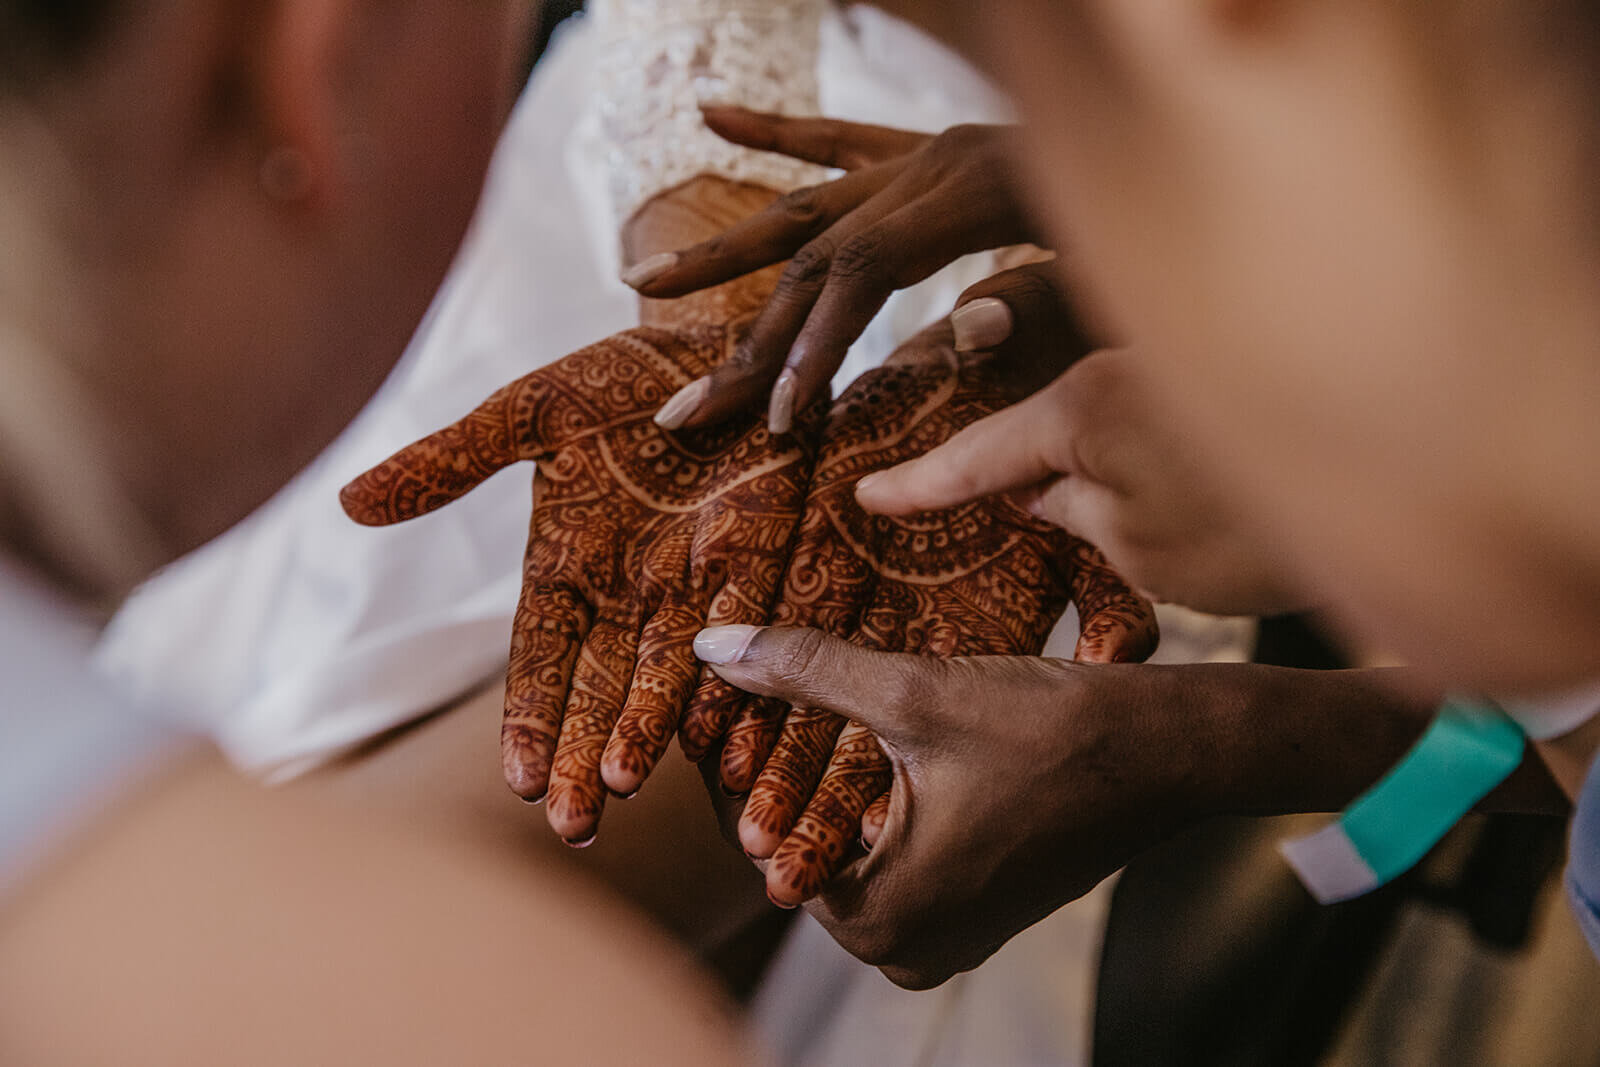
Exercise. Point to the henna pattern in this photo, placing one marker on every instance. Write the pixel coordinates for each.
(981, 579)
(638, 539)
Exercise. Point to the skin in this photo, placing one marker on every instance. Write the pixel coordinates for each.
(1352, 295)
(1096, 453)
(970, 580)
(697, 529)
(206, 290)
(849, 244)
(962, 864)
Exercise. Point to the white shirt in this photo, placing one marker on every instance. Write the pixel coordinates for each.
(66, 743)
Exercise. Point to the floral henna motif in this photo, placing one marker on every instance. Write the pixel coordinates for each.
(982, 579)
(638, 539)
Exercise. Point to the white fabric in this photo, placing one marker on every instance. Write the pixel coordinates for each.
(66, 743)
(1030, 1005)
(658, 60)
(1328, 865)
(1554, 715)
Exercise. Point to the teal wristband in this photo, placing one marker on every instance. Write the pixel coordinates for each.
(1471, 747)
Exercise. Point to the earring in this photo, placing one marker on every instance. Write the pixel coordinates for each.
(286, 175)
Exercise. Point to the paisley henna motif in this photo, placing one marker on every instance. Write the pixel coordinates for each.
(982, 579)
(638, 539)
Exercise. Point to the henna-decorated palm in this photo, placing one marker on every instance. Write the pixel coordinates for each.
(638, 538)
(982, 579)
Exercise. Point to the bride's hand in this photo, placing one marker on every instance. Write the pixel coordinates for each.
(979, 579)
(909, 205)
(638, 538)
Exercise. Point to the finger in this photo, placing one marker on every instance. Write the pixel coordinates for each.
(808, 668)
(600, 680)
(742, 382)
(1023, 316)
(870, 265)
(716, 705)
(873, 820)
(443, 466)
(550, 626)
(770, 236)
(752, 737)
(858, 773)
(788, 779)
(828, 142)
(818, 846)
(1115, 624)
(664, 680)
(1014, 448)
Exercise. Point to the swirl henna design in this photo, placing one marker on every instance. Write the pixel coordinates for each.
(981, 579)
(638, 538)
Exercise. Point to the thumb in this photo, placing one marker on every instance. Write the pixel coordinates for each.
(441, 467)
(1015, 448)
(810, 669)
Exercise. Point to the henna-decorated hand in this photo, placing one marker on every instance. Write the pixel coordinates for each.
(638, 538)
(978, 579)
(1019, 783)
(1096, 454)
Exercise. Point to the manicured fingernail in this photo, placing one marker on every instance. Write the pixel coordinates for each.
(648, 270)
(675, 412)
(780, 904)
(585, 843)
(866, 846)
(780, 411)
(533, 801)
(866, 484)
(722, 645)
(623, 796)
(981, 324)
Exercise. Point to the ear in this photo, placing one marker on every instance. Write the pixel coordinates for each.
(295, 97)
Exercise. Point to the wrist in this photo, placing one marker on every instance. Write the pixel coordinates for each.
(1293, 741)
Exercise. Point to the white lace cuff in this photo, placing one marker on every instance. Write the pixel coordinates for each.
(660, 59)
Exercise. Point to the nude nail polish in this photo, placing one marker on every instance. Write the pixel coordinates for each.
(722, 645)
(648, 270)
(981, 324)
(780, 411)
(675, 412)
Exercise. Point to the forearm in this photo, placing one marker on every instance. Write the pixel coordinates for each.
(1283, 741)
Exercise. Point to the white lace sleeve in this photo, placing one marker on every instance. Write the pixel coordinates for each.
(658, 60)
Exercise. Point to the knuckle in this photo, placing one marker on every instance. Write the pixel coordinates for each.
(861, 260)
(913, 689)
(803, 207)
(799, 655)
(1033, 285)
(957, 146)
(882, 947)
(809, 267)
